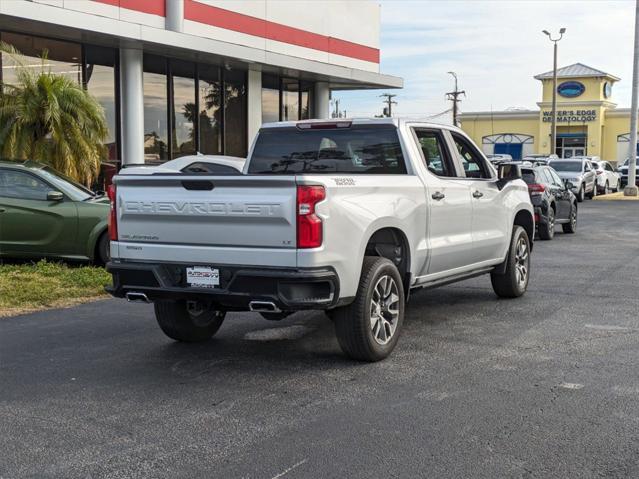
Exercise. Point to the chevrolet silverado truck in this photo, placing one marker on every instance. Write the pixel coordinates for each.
(344, 216)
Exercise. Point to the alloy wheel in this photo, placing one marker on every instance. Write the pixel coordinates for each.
(521, 262)
(384, 309)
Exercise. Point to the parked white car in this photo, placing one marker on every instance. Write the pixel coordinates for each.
(608, 180)
(344, 216)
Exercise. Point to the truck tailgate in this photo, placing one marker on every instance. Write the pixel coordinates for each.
(221, 219)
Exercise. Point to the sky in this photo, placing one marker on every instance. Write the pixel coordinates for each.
(495, 47)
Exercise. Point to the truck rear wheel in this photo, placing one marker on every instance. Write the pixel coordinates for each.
(368, 328)
(514, 281)
(179, 322)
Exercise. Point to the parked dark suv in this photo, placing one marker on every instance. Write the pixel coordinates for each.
(553, 200)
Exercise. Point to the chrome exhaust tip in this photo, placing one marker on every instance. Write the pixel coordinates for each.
(263, 307)
(134, 297)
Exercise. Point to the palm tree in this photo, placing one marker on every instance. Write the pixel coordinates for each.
(51, 119)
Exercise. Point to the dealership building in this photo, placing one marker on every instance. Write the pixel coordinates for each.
(588, 121)
(177, 77)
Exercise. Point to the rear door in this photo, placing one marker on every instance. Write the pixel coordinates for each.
(449, 228)
(490, 215)
(30, 224)
(563, 196)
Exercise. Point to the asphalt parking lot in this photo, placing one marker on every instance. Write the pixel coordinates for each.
(543, 386)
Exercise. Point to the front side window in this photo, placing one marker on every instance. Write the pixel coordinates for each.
(434, 152)
(353, 150)
(471, 159)
(16, 184)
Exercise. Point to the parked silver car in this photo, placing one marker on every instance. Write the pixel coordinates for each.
(580, 173)
(608, 180)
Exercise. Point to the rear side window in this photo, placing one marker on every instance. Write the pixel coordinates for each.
(434, 152)
(528, 176)
(354, 150)
(205, 168)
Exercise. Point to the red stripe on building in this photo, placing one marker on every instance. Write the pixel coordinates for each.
(238, 22)
(153, 7)
(241, 23)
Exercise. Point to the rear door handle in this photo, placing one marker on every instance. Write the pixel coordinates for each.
(438, 196)
(2, 210)
(478, 194)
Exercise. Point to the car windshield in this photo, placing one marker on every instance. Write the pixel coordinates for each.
(574, 166)
(66, 184)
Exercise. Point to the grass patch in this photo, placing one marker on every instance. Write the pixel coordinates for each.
(35, 286)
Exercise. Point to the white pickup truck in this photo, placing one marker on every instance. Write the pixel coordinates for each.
(343, 216)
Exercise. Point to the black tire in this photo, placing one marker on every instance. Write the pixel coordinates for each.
(357, 337)
(547, 229)
(618, 186)
(509, 284)
(581, 194)
(571, 226)
(606, 190)
(104, 249)
(178, 323)
(593, 193)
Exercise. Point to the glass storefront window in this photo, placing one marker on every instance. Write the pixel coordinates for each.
(290, 99)
(235, 114)
(155, 110)
(100, 82)
(210, 106)
(184, 108)
(306, 100)
(270, 99)
(63, 58)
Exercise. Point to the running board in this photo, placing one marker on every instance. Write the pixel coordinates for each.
(453, 279)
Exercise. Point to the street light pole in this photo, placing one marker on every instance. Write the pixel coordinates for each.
(553, 116)
(631, 188)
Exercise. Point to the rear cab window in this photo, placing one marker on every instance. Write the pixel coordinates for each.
(358, 149)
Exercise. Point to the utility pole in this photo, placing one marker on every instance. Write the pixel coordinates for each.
(336, 111)
(553, 124)
(631, 188)
(388, 110)
(454, 97)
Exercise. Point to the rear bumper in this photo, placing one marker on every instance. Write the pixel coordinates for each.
(289, 289)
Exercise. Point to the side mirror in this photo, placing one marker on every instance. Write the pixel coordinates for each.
(54, 196)
(507, 172)
(569, 185)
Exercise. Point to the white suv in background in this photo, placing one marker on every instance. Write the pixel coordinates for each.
(608, 180)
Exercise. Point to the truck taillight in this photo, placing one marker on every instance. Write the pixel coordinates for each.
(309, 225)
(113, 214)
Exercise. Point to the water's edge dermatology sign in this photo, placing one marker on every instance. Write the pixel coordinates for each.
(571, 116)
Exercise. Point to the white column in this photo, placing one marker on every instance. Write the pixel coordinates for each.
(174, 15)
(322, 100)
(254, 104)
(132, 106)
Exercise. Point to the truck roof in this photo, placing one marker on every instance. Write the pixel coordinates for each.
(397, 122)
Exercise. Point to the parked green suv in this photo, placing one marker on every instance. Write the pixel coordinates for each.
(45, 214)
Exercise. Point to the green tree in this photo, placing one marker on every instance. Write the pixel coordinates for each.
(51, 119)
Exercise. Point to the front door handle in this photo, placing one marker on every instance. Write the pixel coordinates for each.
(477, 194)
(438, 196)
(2, 210)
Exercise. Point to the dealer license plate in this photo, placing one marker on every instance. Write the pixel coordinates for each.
(203, 277)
